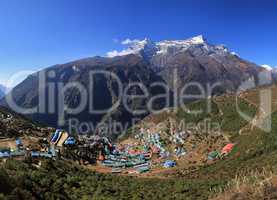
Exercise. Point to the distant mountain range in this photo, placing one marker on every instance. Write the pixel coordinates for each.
(173, 62)
(3, 91)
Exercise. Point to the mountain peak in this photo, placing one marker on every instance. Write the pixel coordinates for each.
(147, 48)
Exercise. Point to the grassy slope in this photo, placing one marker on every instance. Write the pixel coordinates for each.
(254, 150)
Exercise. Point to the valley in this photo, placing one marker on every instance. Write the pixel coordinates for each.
(138, 100)
(254, 149)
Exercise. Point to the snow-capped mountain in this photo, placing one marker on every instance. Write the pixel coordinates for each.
(148, 48)
(179, 45)
(198, 42)
(175, 63)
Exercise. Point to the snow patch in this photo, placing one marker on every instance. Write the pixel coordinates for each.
(180, 44)
(267, 67)
(234, 53)
(147, 48)
(75, 68)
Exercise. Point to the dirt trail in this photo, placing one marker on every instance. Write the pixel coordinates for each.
(10, 142)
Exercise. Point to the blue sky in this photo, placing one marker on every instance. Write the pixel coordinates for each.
(37, 33)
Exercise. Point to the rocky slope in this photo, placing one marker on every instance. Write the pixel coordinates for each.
(128, 69)
(194, 60)
(175, 63)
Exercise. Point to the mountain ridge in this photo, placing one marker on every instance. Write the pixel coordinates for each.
(162, 47)
(188, 61)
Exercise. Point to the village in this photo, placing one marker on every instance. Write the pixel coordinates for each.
(147, 152)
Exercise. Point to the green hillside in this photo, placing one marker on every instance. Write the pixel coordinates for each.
(255, 150)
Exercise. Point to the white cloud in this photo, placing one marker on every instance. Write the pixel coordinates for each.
(127, 51)
(133, 47)
(129, 41)
(112, 53)
(119, 53)
(126, 41)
